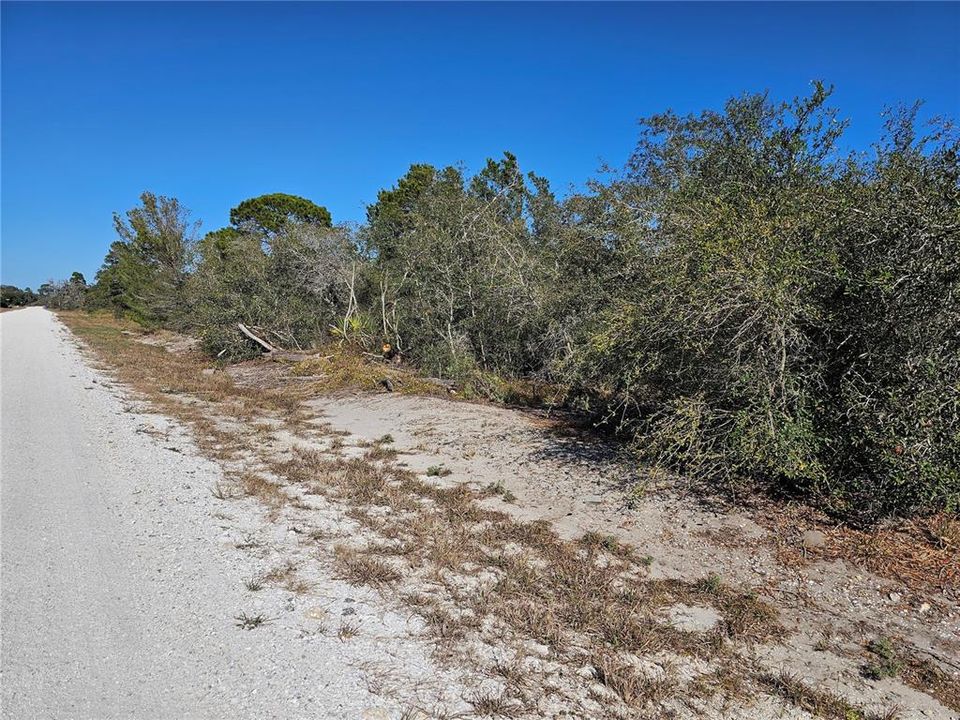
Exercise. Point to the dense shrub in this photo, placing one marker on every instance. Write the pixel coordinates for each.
(291, 286)
(462, 269)
(777, 314)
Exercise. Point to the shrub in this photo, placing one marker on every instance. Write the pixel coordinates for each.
(777, 315)
(291, 286)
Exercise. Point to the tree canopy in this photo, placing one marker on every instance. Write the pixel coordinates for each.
(268, 214)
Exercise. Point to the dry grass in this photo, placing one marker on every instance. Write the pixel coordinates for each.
(923, 554)
(635, 688)
(379, 452)
(223, 491)
(347, 630)
(358, 569)
(257, 486)
(501, 490)
(496, 705)
(254, 584)
(347, 368)
(590, 593)
(888, 658)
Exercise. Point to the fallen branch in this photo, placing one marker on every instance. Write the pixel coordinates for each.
(276, 353)
(261, 342)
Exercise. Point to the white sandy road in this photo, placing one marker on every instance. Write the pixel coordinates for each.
(119, 584)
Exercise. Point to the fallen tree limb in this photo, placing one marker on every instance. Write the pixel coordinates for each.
(261, 342)
(273, 351)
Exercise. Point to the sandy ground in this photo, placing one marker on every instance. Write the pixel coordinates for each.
(121, 579)
(831, 609)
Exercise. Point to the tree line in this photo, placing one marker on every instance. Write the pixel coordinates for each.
(69, 294)
(744, 301)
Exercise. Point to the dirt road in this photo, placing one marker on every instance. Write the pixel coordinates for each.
(120, 586)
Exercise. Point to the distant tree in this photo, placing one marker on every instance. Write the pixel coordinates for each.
(107, 290)
(12, 296)
(267, 214)
(68, 294)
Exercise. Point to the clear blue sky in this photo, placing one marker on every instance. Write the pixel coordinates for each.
(214, 103)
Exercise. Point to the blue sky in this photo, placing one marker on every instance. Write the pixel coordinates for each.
(215, 103)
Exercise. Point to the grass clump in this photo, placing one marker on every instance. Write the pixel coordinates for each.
(251, 622)
(885, 663)
(498, 488)
(358, 569)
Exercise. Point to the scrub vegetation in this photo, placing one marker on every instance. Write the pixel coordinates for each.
(746, 302)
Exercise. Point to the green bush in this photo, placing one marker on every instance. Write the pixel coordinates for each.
(290, 287)
(781, 315)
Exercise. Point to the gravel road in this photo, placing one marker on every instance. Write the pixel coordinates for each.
(120, 585)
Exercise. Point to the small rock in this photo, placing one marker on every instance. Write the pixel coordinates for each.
(592, 499)
(349, 611)
(924, 607)
(814, 539)
(894, 597)
(315, 613)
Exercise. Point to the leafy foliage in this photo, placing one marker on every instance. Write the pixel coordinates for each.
(12, 296)
(291, 285)
(781, 316)
(460, 268)
(67, 294)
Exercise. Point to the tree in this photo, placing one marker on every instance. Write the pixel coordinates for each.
(107, 290)
(394, 212)
(68, 294)
(292, 290)
(150, 262)
(465, 268)
(267, 214)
